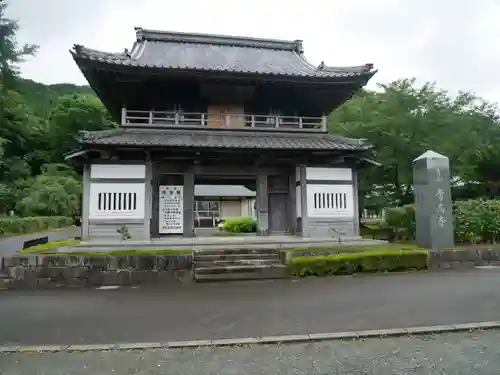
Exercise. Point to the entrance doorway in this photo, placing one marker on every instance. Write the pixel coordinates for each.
(279, 207)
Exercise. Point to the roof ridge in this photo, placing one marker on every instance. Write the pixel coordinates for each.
(366, 68)
(218, 39)
(80, 50)
(87, 135)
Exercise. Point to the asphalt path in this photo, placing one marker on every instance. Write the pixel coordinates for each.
(248, 309)
(474, 353)
(11, 245)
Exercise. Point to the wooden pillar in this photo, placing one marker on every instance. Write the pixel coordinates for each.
(148, 198)
(85, 202)
(188, 204)
(155, 201)
(292, 211)
(262, 205)
(303, 201)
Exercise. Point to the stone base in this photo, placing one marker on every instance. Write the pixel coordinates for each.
(39, 272)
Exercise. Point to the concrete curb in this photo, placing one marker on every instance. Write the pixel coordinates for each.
(348, 335)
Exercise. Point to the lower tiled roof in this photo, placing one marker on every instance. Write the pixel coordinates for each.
(220, 139)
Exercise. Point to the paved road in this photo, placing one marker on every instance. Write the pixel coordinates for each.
(224, 310)
(11, 245)
(447, 354)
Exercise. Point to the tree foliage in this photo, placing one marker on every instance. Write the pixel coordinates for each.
(38, 125)
(402, 121)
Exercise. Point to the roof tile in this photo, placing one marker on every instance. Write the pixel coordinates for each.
(221, 139)
(159, 49)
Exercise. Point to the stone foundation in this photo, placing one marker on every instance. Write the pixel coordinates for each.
(44, 272)
(464, 258)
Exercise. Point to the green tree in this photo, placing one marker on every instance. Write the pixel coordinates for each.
(402, 121)
(11, 53)
(72, 114)
(56, 191)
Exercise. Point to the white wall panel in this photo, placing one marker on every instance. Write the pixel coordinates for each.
(329, 174)
(330, 201)
(118, 171)
(117, 201)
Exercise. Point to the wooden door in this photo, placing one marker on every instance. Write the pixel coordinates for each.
(278, 210)
(216, 115)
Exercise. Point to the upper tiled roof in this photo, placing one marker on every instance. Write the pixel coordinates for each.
(220, 139)
(223, 191)
(201, 52)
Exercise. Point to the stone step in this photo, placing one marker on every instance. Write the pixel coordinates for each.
(236, 251)
(240, 273)
(238, 277)
(201, 256)
(253, 268)
(235, 262)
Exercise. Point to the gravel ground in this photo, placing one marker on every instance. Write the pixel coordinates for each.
(446, 354)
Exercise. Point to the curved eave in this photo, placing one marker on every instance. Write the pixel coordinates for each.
(302, 70)
(91, 64)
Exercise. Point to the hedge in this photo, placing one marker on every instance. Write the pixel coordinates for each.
(477, 220)
(367, 261)
(24, 225)
(240, 225)
(402, 221)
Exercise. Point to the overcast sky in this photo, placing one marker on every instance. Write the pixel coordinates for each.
(453, 42)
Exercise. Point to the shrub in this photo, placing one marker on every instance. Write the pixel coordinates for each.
(240, 225)
(23, 225)
(477, 220)
(367, 261)
(402, 221)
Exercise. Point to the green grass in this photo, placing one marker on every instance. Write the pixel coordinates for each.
(42, 251)
(131, 252)
(382, 247)
(49, 246)
(351, 263)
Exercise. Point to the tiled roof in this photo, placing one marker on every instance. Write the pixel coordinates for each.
(223, 191)
(201, 52)
(220, 139)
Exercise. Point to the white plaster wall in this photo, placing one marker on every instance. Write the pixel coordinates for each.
(118, 171)
(247, 208)
(329, 174)
(97, 188)
(332, 212)
(230, 209)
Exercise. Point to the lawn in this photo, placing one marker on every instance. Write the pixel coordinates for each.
(45, 249)
(382, 247)
(48, 246)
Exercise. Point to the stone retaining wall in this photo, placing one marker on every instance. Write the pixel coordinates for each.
(42, 272)
(464, 258)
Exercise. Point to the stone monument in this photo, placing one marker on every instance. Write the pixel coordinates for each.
(433, 206)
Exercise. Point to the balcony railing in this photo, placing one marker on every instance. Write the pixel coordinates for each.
(136, 118)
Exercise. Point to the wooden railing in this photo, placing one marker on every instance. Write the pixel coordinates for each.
(136, 118)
